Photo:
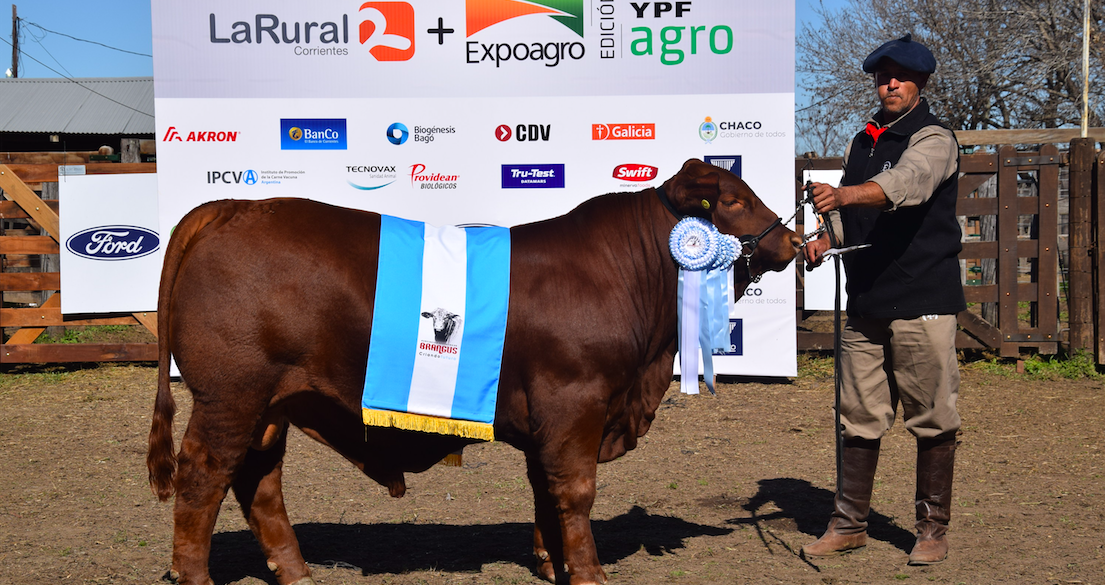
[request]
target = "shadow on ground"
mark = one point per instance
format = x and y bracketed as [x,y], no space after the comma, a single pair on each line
[397,548]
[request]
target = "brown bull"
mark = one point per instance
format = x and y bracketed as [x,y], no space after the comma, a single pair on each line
[267,307]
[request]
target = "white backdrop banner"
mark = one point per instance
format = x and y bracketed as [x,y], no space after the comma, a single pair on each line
[111,247]
[480,112]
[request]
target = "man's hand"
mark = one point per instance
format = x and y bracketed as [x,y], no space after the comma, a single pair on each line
[815,250]
[827,198]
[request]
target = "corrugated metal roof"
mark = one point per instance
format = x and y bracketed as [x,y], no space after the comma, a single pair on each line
[103,105]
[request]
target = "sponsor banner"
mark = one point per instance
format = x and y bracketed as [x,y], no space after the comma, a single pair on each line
[491,112]
[111,246]
[821,282]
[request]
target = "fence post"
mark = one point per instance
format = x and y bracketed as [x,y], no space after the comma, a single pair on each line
[1080,296]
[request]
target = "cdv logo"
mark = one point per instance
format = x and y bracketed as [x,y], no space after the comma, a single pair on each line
[388,30]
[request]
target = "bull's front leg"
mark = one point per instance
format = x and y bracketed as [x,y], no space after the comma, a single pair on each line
[547,544]
[569,469]
[258,489]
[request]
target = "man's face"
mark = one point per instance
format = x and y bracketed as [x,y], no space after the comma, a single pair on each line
[899,88]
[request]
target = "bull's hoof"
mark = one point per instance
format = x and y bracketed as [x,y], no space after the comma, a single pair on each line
[304,581]
[545,569]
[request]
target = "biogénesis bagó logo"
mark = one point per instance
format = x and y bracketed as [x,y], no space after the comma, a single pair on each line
[113,242]
[482,14]
[398,133]
[312,134]
[385,29]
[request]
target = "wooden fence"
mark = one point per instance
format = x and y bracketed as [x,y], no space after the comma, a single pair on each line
[29,228]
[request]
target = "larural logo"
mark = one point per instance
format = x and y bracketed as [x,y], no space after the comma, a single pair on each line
[312,134]
[174,135]
[623,131]
[539,176]
[113,242]
[481,14]
[635,172]
[387,31]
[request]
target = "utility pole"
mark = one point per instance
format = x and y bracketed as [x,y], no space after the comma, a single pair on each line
[15,43]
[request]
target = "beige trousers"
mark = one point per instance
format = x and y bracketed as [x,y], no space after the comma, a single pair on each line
[911,361]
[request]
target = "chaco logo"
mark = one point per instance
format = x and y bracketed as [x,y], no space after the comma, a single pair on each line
[174,135]
[113,242]
[635,172]
[623,131]
[386,30]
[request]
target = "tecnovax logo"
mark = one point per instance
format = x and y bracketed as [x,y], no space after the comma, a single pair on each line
[379,176]
[113,242]
[174,135]
[312,134]
[386,30]
[481,14]
[623,131]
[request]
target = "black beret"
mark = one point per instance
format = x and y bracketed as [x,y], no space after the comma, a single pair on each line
[905,52]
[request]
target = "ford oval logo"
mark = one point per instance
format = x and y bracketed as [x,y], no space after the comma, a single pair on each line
[113,242]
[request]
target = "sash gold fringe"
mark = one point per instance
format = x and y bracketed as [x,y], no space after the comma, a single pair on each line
[428,424]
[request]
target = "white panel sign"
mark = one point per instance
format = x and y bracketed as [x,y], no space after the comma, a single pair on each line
[110,249]
[820,282]
[478,111]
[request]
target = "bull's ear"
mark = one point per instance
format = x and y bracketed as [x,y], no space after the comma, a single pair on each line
[427,314]
[695,189]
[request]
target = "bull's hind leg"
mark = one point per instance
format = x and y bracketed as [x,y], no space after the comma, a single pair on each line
[547,544]
[213,448]
[258,489]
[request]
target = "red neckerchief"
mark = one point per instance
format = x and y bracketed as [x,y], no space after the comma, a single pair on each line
[874,132]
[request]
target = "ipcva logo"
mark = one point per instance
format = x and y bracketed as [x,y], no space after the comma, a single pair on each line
[113,242]
[480,14]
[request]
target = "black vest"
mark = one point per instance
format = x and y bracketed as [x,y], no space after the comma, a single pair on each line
[912,266]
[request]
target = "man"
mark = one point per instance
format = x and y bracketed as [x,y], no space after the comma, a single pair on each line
[898,345]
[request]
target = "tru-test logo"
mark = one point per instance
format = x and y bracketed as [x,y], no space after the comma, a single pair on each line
[484,14]
[385,29]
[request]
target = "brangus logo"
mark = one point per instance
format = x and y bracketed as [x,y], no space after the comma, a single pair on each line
[113,242]
[174,135]
[623,131]
[388,30]
[635,172]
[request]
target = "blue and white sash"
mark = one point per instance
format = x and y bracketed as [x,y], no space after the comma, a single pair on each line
[438,325]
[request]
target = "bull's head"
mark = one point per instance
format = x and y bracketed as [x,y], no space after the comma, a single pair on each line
[710,192]
[445,323]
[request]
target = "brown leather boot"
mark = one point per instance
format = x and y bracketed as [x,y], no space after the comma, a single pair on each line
[847,529]
[935,466]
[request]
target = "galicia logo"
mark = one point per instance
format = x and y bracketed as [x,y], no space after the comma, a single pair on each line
[635,172]
[524,132]
[113,242]
[312,134]
[540,176]
[174,135]
[481,14]
[731,163]
[232,177]
[388,30]
[397,134]
[623,131]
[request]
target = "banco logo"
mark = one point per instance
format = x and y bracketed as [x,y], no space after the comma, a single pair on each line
[388,30]
[312,134]
[248,177]
[524,132]
[623,131]
[397,133]
[481,14]
[174,135]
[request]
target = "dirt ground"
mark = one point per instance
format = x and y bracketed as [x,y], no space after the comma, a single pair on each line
[723,489]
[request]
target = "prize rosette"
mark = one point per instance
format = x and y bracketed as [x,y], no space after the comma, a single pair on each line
[696,244]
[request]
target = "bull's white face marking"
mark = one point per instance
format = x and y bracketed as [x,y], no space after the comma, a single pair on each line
[445,324]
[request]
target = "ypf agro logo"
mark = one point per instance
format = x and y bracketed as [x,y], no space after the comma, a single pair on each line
[113,242]
[483,14]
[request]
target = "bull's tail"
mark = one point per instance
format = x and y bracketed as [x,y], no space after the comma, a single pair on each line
[161,458]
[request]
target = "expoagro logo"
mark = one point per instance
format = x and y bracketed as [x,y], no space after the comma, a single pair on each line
[386,30]
[482,14]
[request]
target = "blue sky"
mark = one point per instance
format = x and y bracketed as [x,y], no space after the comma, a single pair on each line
[123,24]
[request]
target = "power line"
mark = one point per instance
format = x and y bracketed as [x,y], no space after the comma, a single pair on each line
[85,40]
[70,79]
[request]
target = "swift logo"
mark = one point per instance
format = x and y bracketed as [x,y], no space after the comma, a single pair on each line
[623,131]
[481,14]
[388,30]
[635,172]
[173,135]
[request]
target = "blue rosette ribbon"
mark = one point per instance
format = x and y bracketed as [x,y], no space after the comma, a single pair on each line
[704,256]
